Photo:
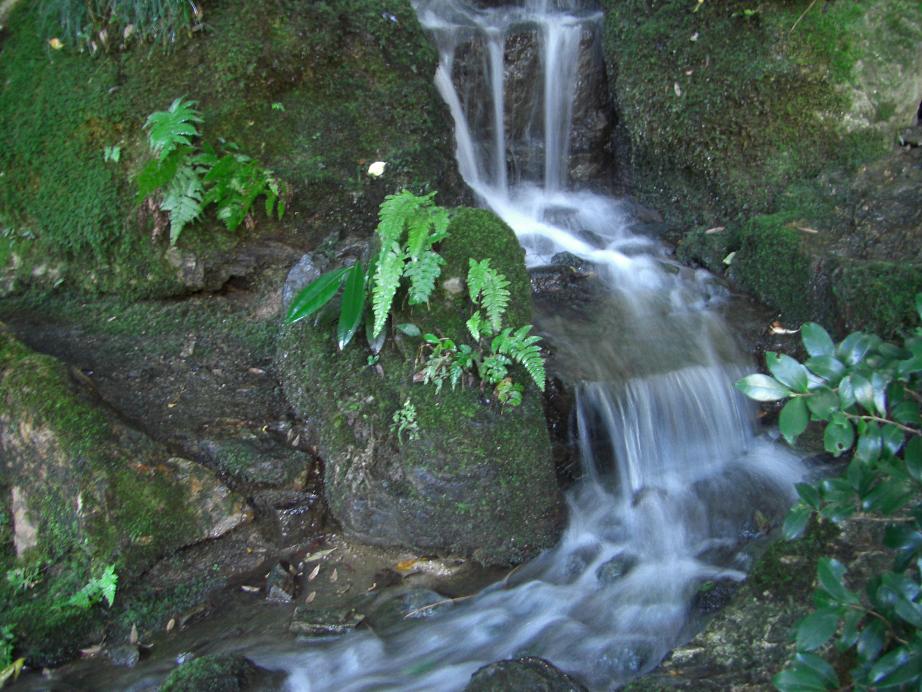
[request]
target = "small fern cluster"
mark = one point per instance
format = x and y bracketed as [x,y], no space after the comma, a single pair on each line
[488,290]
[191,178]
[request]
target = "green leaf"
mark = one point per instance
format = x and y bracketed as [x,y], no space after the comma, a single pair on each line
[889,496]
[871,640]
[913,458]
[816,340]
[386,282]
[474,325]
[762,388]
[870,443]
[890,665]
[409,329]
[796,521]
[839,435]
[892,438]
[829,368]
[809,494]
[422,273]
[352,305]
[863,391]
[906,541]
[315,295]
[793,419]
[855,347]
[807,673]
[829,574]
[490,289]
[901,593]
[173,127]
[823,403]
[787,371]
[907,412]
[817,628]
[851,619]
[919,305]
[846,393]
[860,476]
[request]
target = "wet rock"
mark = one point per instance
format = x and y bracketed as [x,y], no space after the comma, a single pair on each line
[221,673]
[289,517]
[126,656]
[321,622]
[259,460]
[476,482]
[712,596]
[280,584]
[529,673]
[611,571]
[300,275]
[396,610]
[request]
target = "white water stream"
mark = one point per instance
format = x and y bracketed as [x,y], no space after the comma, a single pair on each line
[672,471]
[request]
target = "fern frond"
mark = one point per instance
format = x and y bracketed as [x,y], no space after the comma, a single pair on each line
[475,324]
[494,368]
[438,220]
[173,127]
[523,349]
[393,215]
[183,199]
[422,274]
[490,288]
[387,279]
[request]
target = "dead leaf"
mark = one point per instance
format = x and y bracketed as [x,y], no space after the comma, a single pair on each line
[716,229]
[310,597]
[91,651]
[133,637]
[335,576]
[406,565]
[677,88]
[171,624]
[728,260]
[777,328]
[314,573]
[312,557]
[249,589]
[806,229]
[55,43]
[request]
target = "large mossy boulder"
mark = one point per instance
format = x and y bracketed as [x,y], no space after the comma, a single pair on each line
[80,491]
[478,481]
[314,91]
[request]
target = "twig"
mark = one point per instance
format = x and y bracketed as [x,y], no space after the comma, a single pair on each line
[804,14]
[436,605]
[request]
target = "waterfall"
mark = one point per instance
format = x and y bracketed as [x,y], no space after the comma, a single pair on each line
[672,470]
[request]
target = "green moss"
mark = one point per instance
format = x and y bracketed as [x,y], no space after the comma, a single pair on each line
[215,673]
[877,296]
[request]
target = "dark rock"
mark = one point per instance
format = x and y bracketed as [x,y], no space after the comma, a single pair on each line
[289,517]
[321,622]
[222,673]
[299,276]
[258,460]
[612,570]
[529,673]
[396,610]
[280,584]
[712,596]
[126,656]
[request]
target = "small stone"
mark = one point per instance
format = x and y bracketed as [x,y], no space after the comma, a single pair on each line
[319,622]
[280,585]
[126,656]
[614,569]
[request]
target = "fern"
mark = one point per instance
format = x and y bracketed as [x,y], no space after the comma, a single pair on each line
[494,368]
[489,288]
[422,274]
[387,280]
[393,215]
[183,199]
[524,350]
[173,128]
[475,325]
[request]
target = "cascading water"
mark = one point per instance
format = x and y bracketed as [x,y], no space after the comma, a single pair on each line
[672,472]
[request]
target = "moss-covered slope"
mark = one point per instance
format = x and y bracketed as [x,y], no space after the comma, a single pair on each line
[315,91]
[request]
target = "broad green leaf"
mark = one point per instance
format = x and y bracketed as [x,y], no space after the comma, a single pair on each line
[799,679]
[879,383]
[762,388]
[409,329]
[817,628]
[855,347]
[830,574]
[809,494]
[851,619]
[315,295]
[793,419]
[906,541]
[796,521]
[839,435]
[901,593]
[787,371]
[817,340]
[829,368]
[846,393]
[870,443]
[889,496]
[901,659]
[871,640]
[892,438]
[860,476]
[907,412]
[863,391]
[823,403]
[817,665]
[352,306]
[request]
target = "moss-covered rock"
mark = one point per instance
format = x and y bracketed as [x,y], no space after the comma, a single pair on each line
[86,491]
[314,91]
[477,481]
[221,673]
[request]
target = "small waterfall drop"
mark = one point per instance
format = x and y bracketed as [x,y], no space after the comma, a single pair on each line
[672,470]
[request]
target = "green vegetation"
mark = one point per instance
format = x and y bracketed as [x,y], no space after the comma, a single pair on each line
[191,178]
[409,228]
[404,421]
[868,395]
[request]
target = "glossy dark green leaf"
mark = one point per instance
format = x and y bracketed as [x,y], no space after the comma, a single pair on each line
[863,391]
[830,574]
[907,412]
[818,666]
[796,521]
[375,343]
[889,496]
[879,383]
[352,306]
[839,435]
[799,679]
[315,295]
[901,593]
[809,494]
[846,393]
[870,443]
[855,347]
[908,675]
[892,438]
[793,419]
[829,368]
[851,620]
[787,371]
[817,628]
[887,668]
[912,455]
[817,340]
[409,329]
[823,403]
[906,541]
[860,477]
[871,640]
[762,388]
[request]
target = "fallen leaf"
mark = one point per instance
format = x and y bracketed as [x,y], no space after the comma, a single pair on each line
[777,328]
[716,229]
[406,565]
[91,651]
[335,576]
[677,88]
[728,260]
[310,597]
[133,637]
[55,43]
[171,624]
[312,557]
[807,229]
[314,573]
[694,37]
[249,589]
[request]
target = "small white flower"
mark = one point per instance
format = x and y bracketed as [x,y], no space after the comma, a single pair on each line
[376,170]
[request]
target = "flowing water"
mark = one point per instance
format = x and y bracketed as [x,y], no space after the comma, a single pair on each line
[673,473]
